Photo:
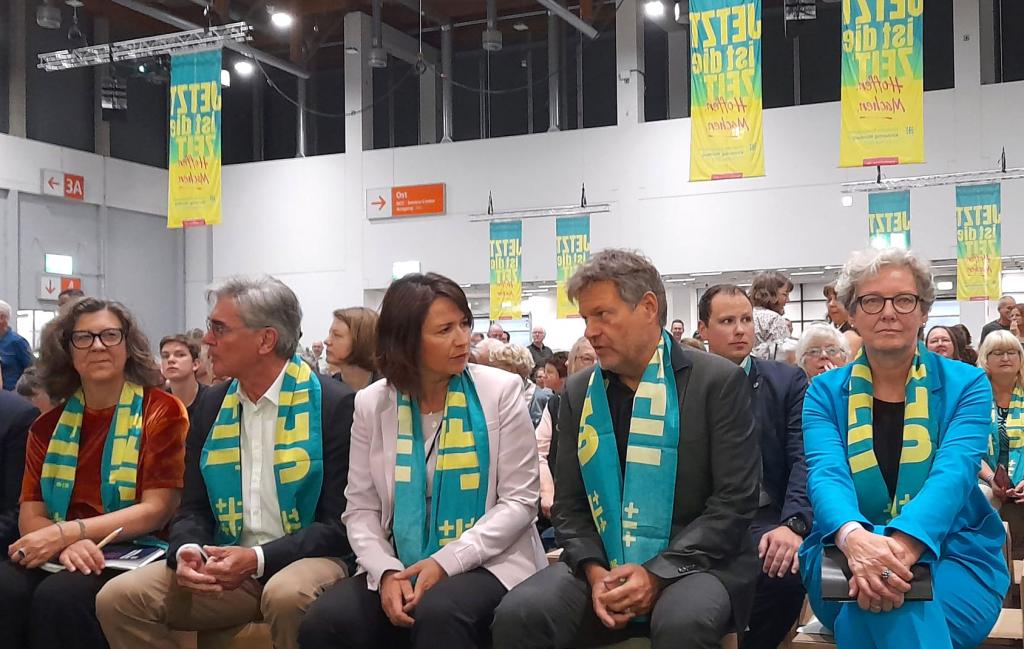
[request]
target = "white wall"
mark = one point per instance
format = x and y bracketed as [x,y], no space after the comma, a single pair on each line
[117,236]
[293,218]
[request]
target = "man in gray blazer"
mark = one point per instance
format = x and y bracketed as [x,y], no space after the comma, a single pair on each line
[699,585]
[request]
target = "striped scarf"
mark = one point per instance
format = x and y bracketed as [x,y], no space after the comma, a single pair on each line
[119,473]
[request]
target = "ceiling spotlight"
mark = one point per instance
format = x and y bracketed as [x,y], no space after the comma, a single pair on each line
[225,78]
[349,49]
[682,12]
[244,68]
[847,200]
[281,19]
[142,68]
[48,16]
[654,8]
[520,26]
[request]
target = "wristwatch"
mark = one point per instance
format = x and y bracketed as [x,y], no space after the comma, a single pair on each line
[797,525]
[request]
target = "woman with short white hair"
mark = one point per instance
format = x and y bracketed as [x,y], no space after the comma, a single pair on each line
[518,360]
[822,347]
[893,442]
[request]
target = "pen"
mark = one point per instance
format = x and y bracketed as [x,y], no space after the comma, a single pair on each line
[109,537]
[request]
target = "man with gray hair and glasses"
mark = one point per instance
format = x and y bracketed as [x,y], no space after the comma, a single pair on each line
[259,534]
[653,510]
[15,352]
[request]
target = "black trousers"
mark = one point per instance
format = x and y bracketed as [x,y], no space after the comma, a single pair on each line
[778,600]
[454,614]
[553,610]
[50,611]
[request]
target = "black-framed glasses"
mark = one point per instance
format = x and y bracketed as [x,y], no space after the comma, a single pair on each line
[82,339]
[1003,353]
[903,303]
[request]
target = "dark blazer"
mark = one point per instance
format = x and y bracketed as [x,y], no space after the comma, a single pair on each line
[716,480]
[326,537]
[16,417]
[778,418]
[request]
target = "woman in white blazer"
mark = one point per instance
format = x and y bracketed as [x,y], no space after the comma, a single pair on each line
[442,489]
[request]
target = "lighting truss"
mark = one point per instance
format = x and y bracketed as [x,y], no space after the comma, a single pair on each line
[140,48]
[540,212]
[934,180]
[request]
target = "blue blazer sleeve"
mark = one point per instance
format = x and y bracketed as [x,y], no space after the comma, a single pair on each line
[929,517]
[797,502]
[829,481]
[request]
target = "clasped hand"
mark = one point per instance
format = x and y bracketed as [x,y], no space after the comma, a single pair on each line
[36,548]
[226,569]
[620,594]
[398,595]
[869,555]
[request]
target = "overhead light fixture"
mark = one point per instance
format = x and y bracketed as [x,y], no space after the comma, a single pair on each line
[520,26]
[654,8]
[944,285]
[281,19]
[48,16]
[244,68]
[682,12]
[847,200]
[349,49]
[225,78]
[706,274]
[808,272]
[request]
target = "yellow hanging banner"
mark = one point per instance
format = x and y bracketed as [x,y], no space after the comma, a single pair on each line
[725,89]
[882,83]
[506,270]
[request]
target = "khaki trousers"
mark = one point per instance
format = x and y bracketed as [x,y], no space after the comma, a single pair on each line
[139,608]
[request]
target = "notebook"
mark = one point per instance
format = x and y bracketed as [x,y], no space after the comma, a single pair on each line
[121,556]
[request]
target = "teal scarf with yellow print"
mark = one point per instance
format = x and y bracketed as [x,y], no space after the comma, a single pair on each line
[633,513]
[920,438]
[298,455]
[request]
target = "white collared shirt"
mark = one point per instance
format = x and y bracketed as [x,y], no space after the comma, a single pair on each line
[261,516]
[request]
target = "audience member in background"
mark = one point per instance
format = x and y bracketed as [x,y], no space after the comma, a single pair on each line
[886,508]
[258,543]
[352,346]
[443,488]
[31,387]
[678,330]
[671,540]
[179,362]
[495,331]
[787,353]
[514,358]
[481,352]
[1006,304]
[540,352]
[769,293]
[317,349]
[112,457]
[694,343]
[783,516]
[822,347]
[15,352]
[1000,357]
[506,337]
[476,338]
[539,375]
[943,342]
[67,296]
[1017,321]
[16,415]
[557,370]
[581,356]
[839,317]
[970,355]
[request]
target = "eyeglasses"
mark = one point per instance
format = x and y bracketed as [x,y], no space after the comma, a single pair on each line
[1004,353]
[85,339]
[903,303]
[831,352]
[218,328]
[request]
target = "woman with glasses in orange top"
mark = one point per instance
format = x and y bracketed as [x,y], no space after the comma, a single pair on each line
[110,456]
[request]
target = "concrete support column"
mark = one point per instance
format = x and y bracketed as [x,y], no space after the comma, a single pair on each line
[101,129]
[358,85]
[629,62]
[678,74]
[18,109]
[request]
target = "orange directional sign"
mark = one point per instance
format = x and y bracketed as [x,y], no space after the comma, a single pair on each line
[407,200]
[51,286]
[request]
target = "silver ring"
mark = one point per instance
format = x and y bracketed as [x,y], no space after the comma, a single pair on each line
[886,573]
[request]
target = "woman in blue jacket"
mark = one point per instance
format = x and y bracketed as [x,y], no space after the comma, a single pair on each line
[893,443]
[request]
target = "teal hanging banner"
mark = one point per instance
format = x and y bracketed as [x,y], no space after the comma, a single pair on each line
[979,242]
[889,220]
